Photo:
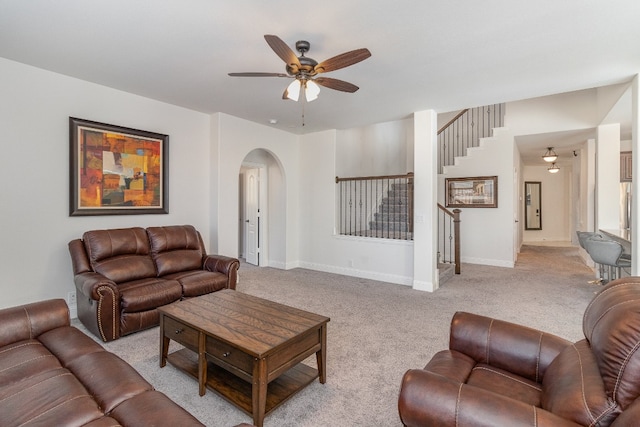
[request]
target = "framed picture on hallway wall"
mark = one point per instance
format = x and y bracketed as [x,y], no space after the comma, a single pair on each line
[116,170]
[473,192]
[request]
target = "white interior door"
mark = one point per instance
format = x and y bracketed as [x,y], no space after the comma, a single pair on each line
[252,216]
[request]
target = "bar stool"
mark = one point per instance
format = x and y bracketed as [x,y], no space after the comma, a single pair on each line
[607,253]
[584,235]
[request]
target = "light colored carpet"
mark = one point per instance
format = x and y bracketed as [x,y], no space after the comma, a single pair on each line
[379,330]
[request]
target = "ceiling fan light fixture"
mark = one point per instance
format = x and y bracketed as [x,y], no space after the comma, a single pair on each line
[550,155]
[293,90]
[311,90]
[553,168]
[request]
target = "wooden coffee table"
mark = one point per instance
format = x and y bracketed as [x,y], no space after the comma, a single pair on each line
[245,348]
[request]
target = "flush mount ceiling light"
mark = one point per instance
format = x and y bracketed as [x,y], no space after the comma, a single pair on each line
[550,156]
[553,168]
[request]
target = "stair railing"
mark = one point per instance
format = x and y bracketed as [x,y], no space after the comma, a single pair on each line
[376,206]
[449,237]
[465,130]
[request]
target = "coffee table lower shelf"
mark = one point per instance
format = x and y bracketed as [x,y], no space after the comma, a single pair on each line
[238,391]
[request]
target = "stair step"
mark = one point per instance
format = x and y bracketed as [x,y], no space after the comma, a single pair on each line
[395,201]
[386,225]
[445,272]
[393,208]
[391,216]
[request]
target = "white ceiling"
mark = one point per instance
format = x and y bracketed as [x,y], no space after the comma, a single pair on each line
[426,54]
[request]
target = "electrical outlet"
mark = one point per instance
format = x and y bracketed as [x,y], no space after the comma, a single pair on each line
[71,298]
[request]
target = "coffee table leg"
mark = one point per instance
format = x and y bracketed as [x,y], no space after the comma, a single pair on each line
[259,391]
[164,344]
[202,364]
[321,356]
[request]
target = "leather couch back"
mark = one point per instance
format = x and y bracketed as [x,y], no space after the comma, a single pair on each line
[176,248]
[120,254]
[611,324]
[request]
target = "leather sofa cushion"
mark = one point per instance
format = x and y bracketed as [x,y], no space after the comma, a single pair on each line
[151,409]
[110,385]
[573,388]
[175,248]
[461,368]
[505,383]
[120,254]
[147,294]
[36,387]
[199,282]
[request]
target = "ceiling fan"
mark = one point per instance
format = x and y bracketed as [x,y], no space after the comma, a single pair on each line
[305,70]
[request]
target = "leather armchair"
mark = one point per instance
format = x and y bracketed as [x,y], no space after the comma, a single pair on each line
[497,373]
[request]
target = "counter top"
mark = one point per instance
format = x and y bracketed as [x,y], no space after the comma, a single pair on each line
[618,234]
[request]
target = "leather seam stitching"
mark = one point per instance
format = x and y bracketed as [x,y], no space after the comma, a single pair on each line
[488,341]
[502,374]
[35,385]
[458,403]
[19,346]
[538,357]
[25,362]
[55,407]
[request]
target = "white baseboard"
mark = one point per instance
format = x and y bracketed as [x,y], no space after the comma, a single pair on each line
[353,272]
[491,262]
[424,286]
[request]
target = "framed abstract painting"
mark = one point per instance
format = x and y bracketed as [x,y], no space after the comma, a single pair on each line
[116,170]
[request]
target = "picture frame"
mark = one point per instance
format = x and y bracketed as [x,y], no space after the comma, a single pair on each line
[472,192]
[116,170]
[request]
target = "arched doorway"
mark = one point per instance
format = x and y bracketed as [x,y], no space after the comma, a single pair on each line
[262,209]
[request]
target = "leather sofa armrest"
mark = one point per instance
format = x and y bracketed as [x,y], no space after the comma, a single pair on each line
[98,305]
[223,264]
[518,349]
[429,399]
[31,320]
[89,285]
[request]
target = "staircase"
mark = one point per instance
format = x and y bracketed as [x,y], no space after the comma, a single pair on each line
[376,206]
[466,130]
[393,217]
[464,133]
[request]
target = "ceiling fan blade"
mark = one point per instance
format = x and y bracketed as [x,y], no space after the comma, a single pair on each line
[282,50]
[252,74]
[343,60]
[336,84]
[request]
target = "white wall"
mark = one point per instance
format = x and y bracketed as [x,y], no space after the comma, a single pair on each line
[556,202]
[35,106]
[555,113]
[488,234]
[608,177]
[237,138]
[320,248]
[379,149]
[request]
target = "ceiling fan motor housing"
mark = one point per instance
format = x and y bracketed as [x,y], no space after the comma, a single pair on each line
[303,46]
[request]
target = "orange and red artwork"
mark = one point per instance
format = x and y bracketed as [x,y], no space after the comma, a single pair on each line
[117,170]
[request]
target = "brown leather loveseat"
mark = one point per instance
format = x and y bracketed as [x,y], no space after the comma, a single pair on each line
[51,374]
[497,373]
[123,275]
